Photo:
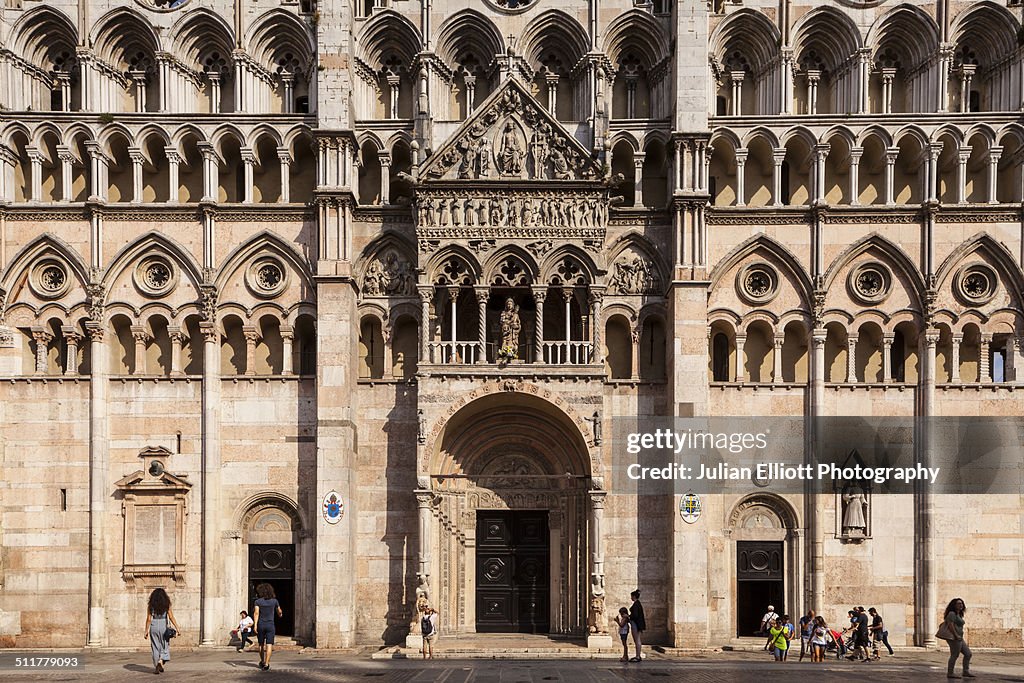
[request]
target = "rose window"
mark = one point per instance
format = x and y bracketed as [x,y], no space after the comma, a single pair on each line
[870,283]
[976,284]
[158,275]
[53,278]
[758,283]
[269,276]
[266,277]
[513,5]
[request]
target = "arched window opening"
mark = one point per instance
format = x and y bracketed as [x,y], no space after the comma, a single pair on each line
[369,174]
[652,350]
[304,346]
[404,350]
[232,349]
[371,349]
[619,356]
[720,351]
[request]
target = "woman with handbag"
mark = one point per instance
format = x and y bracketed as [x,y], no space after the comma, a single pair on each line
[952,631]
[158,632]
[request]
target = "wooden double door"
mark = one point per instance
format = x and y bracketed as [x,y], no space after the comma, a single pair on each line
[512,571]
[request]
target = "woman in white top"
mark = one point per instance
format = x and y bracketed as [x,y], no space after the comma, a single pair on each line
[819,639]
[245,630]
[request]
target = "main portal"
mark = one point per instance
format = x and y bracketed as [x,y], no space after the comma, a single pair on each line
[512,553]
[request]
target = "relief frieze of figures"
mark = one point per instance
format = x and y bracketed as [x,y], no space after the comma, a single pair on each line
[512,210]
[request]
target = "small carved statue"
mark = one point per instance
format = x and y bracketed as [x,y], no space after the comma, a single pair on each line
[855,505]
[485,158]
[559,165]
[598,620]
[510,325]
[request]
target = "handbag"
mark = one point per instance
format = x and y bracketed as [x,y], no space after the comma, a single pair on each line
[169,633]
[945,632]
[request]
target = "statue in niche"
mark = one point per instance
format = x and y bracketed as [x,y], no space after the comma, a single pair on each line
[469,161]
[511,151]
[456,212]
[481,211]
[559,165]
[855,506]
[446,213]
[510,325]
[495,212]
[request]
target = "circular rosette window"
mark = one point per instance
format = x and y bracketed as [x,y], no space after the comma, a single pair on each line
[163,5]
[49,278]
[870,283]
[266,277]
[155,276]
[758,283]
[975,284]
[513,6]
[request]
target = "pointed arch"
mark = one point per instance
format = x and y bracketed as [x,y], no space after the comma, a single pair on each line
[878,132]
[146,244]
[549,265]
[995,250]
[911,30]
[263,242]
[388,240]
[640,243]
[492,265]
[841,131]
[386,31]
[763,133]
[435,265]
[553,28]
[766,244]
[891,250]
[636,30]
[829,33]
[749,33]
[199,32]
[276,34]
[798,132]
[42,36]
[468,31]
[46,242]
[122,31]
[988,29]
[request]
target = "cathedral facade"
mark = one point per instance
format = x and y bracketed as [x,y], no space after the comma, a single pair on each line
[347,296]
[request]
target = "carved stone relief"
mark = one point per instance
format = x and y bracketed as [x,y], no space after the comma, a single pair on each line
[389,274]
[634,274]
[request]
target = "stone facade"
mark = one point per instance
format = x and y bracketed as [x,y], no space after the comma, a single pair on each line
[420,255]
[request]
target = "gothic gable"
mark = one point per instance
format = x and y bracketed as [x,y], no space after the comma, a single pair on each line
[511,137]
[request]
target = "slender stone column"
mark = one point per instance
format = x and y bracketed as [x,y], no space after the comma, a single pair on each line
[141,336]
[777,358]
[135,154]
[888,74]
[736,79]
[954,363]
[426,293]
[540,293]
[36,159]
[851,359]
[73,339]
[638,180]
[635,337]
[994,153]
[424,562]
[173,163]
[600,638]
[385,177]
[890,181]
[924,559]
[42,337]
[214,77]
[596,298]
[887,340]
[813,76]
[855,154]
[778,157]
[211,602]
[252,336]
[287,336]
[934,150]
[741,353]
[99,484]
[963,155]
[284,158]
[814,532]
[483,294]
[67,161]
[863,79]
[453,305]
[741,177]
[177,339]
[288,81]
[249,164]
[984,364]
[210,171]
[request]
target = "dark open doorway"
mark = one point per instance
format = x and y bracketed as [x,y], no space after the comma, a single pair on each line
[275,564]
[759,583]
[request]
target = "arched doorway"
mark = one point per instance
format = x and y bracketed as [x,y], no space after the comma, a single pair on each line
[766,560]
[512,519]
[274,549]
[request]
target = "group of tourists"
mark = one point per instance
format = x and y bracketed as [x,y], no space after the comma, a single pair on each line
[860,638]
[161,626]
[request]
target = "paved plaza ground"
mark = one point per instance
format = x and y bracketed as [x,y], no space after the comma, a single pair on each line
[317,665]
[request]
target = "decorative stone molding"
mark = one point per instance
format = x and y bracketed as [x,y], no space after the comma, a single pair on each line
[49,278]
[155,276]
[975,283]
[870,283]
[266,277]
[154,510]
[758,283]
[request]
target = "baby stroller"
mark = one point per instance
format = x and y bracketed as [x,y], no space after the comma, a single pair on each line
[837,645]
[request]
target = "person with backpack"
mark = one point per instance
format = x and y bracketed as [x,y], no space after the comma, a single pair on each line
[428,627]
[778,634]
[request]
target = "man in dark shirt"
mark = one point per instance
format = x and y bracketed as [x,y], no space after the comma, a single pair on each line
[860,638]
[878,632]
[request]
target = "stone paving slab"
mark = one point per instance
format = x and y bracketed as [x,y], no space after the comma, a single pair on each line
[319,665]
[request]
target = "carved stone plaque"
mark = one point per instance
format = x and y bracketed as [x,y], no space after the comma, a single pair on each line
[155,532]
